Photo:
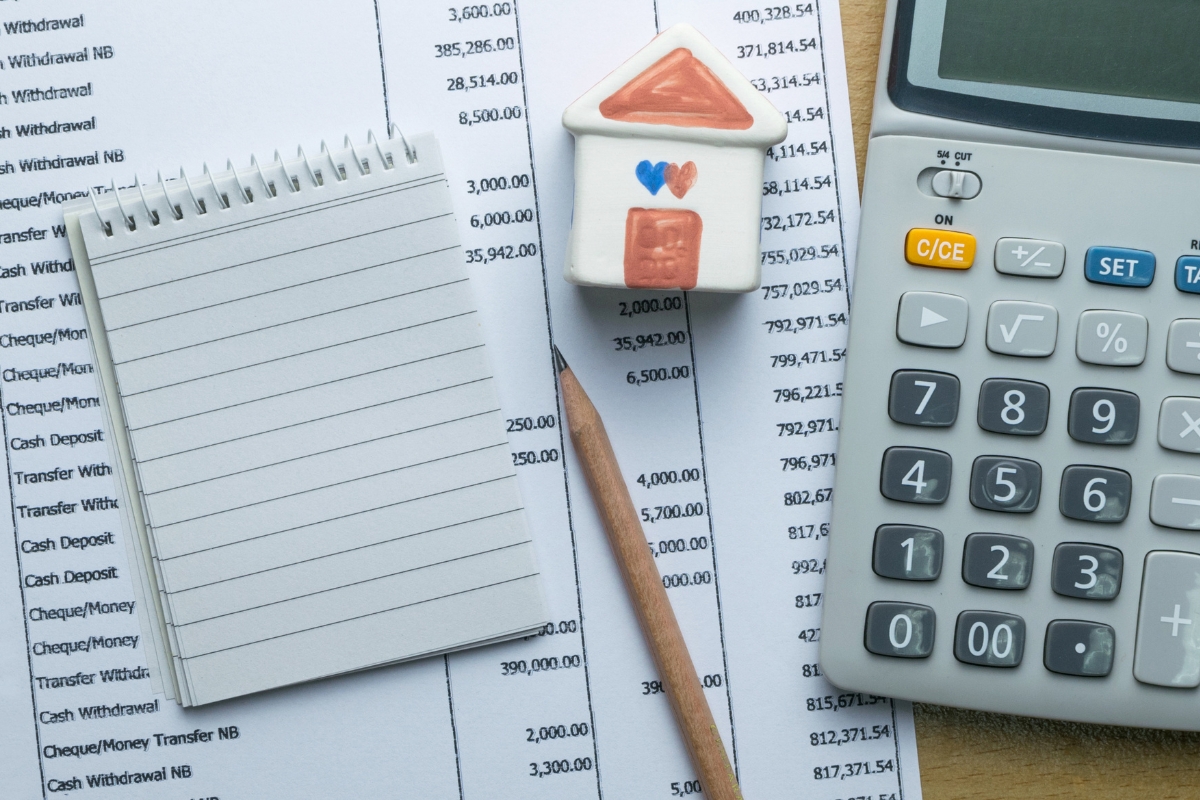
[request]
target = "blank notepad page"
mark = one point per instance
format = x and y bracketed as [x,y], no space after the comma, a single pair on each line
[323,466]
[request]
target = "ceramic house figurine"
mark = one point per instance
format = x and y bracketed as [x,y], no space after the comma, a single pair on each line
[668,171]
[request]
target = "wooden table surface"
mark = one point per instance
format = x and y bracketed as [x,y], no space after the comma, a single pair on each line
[968,755]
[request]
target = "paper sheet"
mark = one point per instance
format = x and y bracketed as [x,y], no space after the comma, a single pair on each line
[722,410]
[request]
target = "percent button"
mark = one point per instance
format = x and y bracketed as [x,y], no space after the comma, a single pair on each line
[1111,338]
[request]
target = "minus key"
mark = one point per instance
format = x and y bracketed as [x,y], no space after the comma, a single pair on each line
[1175,502]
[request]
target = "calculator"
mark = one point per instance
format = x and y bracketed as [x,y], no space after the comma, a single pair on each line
[1016,513]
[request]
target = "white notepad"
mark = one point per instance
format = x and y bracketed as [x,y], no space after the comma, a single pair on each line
[298,385]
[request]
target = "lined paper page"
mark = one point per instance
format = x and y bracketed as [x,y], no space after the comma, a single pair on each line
[318,443]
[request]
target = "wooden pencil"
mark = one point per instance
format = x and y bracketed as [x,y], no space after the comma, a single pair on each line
[645,587]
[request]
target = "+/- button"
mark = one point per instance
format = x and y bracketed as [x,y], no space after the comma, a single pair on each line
[926,247]
[1031,258]
[956,183]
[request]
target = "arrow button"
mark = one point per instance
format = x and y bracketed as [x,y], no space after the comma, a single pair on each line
[932,319]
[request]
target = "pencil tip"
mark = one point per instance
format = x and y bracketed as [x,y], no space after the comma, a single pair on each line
[560,363]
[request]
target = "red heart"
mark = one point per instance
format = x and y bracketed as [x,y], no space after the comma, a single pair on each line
[680,179]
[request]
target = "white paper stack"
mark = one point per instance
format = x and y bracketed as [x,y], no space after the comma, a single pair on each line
[297,381]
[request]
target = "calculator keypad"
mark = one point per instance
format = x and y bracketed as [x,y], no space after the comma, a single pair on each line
[923,398]
[1019,328]
[915,475]
[1018,408]
[989,638]
[1111,338]
[1075,647]
[1001,483]
[997,561]
[1086,571]
[1179,424]
[900,630]
[1103,416]
[908,552]
[1095,494]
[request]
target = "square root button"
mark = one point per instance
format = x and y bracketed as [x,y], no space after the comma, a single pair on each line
[1179,424]
[1020,328]
[1167,651]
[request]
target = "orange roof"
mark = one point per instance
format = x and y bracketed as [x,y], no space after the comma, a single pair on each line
[678,89]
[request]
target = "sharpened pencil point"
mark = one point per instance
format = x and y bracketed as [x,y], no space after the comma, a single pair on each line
[560,363]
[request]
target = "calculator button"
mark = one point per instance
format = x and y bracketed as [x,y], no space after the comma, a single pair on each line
[997,561]
[900,630]
[1183,345]
[989,638]
[1031,258]
[1119,266]
[923,398]
[908,552]
[1187,274]
[1000,483]
[1167,651]
[932,319]
[1087,571]
[915,475]
[1094,494]
[1179,424]
[1015,407]
[956,183]
[1103,416]
[925,247]
[1074,647]
[1175,502]
[1019,328]
[1111,338]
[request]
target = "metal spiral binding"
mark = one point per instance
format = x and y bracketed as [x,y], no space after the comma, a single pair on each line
[315,174]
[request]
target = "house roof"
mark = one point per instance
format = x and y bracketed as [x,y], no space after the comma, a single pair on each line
[679,86]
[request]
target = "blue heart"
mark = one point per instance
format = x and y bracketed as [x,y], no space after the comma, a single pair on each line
[652,176]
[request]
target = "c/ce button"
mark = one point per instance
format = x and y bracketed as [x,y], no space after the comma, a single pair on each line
[930,247]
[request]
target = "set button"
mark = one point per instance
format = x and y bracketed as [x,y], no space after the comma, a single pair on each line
[1119,266]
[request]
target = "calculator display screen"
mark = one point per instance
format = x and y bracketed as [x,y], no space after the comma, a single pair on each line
[1122,70]
[1131,48]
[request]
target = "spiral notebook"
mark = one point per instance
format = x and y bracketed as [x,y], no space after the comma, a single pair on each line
[300,396]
